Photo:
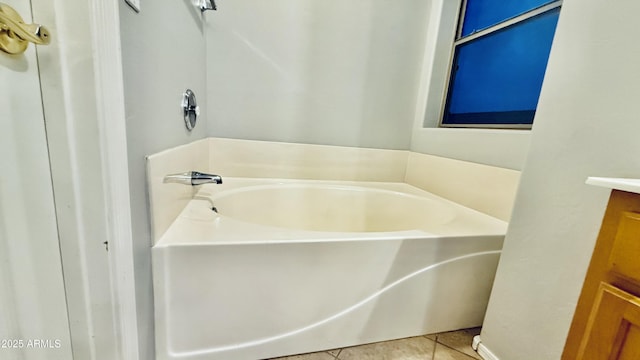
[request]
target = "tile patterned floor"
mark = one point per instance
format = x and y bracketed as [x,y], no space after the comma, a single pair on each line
[454,345]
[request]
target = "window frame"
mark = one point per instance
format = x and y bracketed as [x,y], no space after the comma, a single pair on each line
[459,40]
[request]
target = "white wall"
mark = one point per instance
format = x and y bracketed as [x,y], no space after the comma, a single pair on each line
[587,124]
[163,55]
[322,72]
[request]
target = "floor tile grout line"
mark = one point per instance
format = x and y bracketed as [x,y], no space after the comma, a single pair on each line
[435,345]
[454,349]
[436,341]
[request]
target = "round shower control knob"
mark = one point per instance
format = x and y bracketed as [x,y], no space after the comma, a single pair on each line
[190,109]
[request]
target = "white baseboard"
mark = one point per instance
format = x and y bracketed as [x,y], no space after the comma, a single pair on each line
[482,350]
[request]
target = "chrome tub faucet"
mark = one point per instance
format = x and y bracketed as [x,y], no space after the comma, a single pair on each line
[193,178]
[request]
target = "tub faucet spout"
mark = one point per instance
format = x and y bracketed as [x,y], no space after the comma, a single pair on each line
[193,178]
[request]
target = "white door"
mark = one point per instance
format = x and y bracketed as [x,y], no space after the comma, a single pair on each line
[33,313]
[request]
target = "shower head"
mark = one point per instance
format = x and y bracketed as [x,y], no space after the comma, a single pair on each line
[205,5]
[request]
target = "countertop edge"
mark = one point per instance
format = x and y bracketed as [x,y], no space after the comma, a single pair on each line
[624,184]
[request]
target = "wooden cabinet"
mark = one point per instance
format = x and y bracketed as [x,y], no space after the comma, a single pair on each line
[606,324]
[613,329]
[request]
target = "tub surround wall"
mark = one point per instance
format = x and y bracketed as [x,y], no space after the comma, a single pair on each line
[167,200]
[319,72]
[488,189]
[500,148]
[266,159]
[484,188]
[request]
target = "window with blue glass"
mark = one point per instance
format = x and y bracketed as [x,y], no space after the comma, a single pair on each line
[499,60]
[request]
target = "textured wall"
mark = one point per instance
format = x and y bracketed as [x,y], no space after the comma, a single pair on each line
[586,126]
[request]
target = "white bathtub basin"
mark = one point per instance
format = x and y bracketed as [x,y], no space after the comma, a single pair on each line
[294,266]
[331,207]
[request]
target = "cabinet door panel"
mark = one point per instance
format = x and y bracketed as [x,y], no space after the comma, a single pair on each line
[613,330]
[627,350]
[624,256]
